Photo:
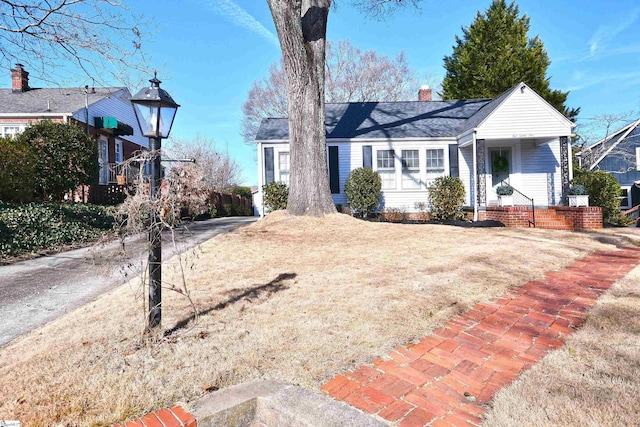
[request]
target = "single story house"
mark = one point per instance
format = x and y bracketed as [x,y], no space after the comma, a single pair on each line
[106,113]
[517,138]
[618,154]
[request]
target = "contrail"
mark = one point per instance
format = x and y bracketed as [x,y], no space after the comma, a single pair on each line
[241,18]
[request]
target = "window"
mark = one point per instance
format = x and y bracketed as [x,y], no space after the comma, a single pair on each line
[283,165]
[625,199]
[638,158]
[386,168]
[11,131]
[410,170]
[118,158]
[435,163]
[103,160]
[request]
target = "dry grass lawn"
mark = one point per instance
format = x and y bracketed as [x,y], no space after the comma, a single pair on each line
[292,299]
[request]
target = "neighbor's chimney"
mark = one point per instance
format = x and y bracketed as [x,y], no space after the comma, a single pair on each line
[19,79]
[424,94]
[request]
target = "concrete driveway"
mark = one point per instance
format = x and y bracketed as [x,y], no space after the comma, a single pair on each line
[37,291]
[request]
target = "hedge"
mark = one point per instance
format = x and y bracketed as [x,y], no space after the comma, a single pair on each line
[36,227]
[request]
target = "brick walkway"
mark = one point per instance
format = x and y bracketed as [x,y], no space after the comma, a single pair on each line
[446,378]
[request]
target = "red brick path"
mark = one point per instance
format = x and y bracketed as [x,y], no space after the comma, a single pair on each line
[446,378]
[168,417]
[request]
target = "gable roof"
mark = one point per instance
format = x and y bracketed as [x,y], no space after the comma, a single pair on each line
[411,119]
[408,119]
[51,100]
[630,132]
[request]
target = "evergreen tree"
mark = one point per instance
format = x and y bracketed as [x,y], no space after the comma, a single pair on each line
[495,54]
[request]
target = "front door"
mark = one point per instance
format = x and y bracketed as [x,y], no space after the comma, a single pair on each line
[500,167]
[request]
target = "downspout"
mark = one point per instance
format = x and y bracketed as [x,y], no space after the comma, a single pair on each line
[475,178]
[260,180]
[86,108]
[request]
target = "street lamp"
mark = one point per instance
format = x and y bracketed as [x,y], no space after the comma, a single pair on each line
[155,111]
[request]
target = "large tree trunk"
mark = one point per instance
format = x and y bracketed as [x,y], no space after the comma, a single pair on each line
[302,29]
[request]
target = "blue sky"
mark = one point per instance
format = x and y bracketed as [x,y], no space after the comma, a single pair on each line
[208,53]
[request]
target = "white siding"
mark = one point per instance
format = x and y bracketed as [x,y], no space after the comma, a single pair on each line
[524,115]
[465,162]
[118,106]
[541,172]
[350,158]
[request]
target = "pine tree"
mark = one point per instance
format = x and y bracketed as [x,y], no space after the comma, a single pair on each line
[494,54]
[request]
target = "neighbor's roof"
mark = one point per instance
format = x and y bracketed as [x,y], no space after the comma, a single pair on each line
[50,100]
[630,132]
[407,119]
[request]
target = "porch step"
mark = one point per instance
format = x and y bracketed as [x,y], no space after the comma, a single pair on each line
[548,219]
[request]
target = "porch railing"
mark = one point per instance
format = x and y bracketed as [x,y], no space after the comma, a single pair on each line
[520,199]
[110,172]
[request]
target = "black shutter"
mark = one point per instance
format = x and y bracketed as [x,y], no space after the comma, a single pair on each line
[367,157]
[334,170]
[454,170]
[268,165]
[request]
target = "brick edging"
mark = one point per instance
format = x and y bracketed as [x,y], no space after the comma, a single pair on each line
[175,416]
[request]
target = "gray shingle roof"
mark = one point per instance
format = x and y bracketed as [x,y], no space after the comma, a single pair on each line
[49,100]
[411,119]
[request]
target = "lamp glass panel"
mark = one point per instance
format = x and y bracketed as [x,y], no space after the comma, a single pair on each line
[167,114]
[148,119]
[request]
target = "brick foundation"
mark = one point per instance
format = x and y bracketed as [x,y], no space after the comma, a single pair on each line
[555,217]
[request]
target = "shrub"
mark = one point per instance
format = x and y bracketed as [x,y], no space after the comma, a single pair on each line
[363,188]
[275,195]
[604,191]
[622,220]
[578,190]
[35,226]
[17,173]
[393,214]
[423,210]
[241,191]
[244,211]
[228,209]
[446,198]
[66,157]
[504,190]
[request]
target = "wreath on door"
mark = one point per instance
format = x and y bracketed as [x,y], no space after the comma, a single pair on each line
[500,164]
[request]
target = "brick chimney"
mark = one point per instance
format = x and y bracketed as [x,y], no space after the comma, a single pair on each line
[424,94]
[19,79]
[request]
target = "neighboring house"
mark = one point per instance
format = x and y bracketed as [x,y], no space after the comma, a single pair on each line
[517,138]
[618,154]
[106,113]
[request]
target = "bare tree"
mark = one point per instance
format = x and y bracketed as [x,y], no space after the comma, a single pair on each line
[302,31]
[593,140]
[351,75]
[96,36]
[218,170]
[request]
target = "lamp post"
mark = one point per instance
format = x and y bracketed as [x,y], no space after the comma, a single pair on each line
[155,111]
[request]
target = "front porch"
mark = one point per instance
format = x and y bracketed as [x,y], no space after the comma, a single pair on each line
[539,169]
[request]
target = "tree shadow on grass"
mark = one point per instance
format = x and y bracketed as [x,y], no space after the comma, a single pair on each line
[250,294]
